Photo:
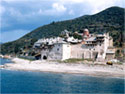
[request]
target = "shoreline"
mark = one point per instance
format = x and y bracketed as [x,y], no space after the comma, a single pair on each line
[72,68]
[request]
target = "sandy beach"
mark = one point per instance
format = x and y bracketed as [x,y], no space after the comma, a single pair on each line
[95,69]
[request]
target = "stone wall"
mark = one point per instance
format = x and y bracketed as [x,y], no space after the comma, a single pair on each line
[83,53]
[110,56]
[77,51]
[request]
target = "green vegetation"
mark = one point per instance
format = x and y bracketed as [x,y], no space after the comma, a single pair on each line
[74,60]
[27,58]
[120,54]
[117,53]
[111,20]
[76,36]
[120,63]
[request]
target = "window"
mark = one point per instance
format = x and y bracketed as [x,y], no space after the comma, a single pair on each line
[57,49]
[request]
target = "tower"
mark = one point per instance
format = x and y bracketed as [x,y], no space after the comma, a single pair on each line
[85,34]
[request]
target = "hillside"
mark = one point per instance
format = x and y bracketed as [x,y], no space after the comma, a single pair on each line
[111,20]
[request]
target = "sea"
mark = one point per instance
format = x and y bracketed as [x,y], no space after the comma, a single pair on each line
[28,82]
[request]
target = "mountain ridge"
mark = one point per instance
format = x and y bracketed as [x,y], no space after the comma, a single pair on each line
[110,19]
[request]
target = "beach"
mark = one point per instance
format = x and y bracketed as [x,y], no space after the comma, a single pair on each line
[95,69]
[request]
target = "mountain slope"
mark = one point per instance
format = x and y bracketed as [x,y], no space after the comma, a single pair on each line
[111,20]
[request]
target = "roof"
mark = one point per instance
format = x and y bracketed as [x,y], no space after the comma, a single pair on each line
[91,39]
[37,54]
[86,30]
[37,44]
[110,52]
[61,42]
[111,47]
[100,35]
[80,34]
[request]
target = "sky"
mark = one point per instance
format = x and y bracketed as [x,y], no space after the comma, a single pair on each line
[19,17]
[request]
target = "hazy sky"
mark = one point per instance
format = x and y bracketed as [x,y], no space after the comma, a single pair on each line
[19,17]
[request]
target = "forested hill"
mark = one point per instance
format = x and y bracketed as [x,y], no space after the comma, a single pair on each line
[111,20]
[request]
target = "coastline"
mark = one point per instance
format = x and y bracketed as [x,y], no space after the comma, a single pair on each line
[72,68]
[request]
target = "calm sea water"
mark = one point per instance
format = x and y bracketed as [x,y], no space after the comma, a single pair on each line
[41,82]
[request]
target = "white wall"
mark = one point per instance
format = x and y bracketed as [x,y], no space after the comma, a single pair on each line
[66,51]
[56,52]
[111,42]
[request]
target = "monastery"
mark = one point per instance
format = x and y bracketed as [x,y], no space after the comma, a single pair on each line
[97,47]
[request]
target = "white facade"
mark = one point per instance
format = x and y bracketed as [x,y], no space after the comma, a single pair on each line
[66,51]
[60,51]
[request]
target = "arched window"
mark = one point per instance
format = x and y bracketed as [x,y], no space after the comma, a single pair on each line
[44,57]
